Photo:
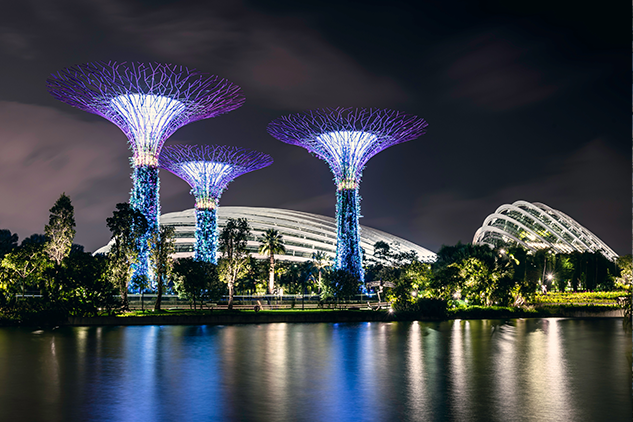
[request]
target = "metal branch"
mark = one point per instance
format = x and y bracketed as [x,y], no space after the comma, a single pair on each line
[147,101]
[208,169]
[346,138]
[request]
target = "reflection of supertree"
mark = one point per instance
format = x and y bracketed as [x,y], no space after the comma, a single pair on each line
[148,102]
[346,138]
[208,169]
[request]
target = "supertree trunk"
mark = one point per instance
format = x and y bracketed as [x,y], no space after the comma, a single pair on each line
[348,253]
[206,235]
[144,197]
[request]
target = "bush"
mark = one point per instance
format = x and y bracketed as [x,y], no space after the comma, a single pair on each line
[424,307]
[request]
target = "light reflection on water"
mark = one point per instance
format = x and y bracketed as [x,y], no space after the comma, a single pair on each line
[482,370]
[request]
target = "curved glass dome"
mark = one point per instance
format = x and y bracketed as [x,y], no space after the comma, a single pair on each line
[303,233]
[537,226]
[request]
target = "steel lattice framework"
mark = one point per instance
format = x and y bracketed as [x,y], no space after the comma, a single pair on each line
[148,102]
[346,138]
[208,169]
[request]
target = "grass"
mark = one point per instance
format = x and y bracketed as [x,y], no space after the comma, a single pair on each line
[580,298]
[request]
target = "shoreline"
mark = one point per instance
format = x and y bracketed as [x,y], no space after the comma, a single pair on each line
[342,316]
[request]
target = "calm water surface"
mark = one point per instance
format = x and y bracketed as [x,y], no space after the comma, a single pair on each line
[490,370]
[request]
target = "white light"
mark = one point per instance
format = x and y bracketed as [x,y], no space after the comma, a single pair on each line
[350,150]
[207,178]
[147,117]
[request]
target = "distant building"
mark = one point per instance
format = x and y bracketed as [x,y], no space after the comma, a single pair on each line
[303,233]
[537,226]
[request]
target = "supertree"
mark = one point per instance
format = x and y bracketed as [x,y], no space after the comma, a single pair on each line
[148,102]
[346,138]
[208,169]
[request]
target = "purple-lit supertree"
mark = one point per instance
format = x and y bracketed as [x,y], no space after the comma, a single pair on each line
[346,138]
[208,169]
[148,102]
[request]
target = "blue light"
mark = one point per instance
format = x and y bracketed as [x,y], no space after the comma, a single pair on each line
[206,235]
[348,251]
[144,197]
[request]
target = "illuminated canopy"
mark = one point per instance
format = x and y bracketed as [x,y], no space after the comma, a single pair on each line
[346,138]
[208,169]
[147,101]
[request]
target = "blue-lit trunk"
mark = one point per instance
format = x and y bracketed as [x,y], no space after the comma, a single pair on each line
[144,197]
[348,252]
[206,235]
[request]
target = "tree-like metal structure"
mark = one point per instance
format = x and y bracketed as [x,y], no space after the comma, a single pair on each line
[148,102]
[208,169]
[346,138]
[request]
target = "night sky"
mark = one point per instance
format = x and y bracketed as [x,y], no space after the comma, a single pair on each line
[524,100]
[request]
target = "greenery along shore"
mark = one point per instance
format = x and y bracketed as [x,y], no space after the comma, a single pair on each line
[46,276]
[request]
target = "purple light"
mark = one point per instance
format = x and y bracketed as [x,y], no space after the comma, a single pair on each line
[346,138]
[208,169]
[148,102]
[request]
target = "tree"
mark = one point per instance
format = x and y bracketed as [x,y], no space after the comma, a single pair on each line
[197,280]
[382,251]
[162,249]
[271,243]
[127,225]
[625,265]
[60,229]
[8,242]
[232,242]
[320,261]
[82,286]
[25,265]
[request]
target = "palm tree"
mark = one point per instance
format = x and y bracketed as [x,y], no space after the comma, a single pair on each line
[271,243]
[320,260]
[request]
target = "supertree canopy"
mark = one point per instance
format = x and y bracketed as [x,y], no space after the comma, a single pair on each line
[208,169]
[148,102]
[346,138]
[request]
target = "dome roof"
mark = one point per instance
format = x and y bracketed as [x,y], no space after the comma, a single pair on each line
[303,233]
[537,226]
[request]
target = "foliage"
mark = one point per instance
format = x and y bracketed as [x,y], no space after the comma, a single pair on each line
[255,273]
[625,265]
[8,242]
[296,278]
[60,229]
[580,297]
[82,287]
[271,243]
[197,281]
[233,240]
[162,248]
[24,268]
[344,284]
[128,226]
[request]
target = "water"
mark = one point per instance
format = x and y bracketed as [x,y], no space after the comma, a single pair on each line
[490,370]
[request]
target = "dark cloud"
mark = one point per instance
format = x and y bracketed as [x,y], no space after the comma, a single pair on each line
[16,44]
[46,152]
[279,61]
[587,186]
